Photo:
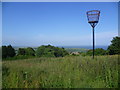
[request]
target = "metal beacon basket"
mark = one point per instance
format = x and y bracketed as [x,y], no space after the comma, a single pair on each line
[93,17]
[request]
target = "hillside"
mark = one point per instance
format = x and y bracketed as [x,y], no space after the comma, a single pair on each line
[76,49]
[65,72]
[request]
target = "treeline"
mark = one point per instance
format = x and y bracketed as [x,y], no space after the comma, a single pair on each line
[51,51]
[42,51]
[8,51]
[98,52]
[113,48]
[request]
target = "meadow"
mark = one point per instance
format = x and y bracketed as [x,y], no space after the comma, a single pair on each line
[61,72]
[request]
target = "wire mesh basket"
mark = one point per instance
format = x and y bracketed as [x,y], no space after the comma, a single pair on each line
[93,16]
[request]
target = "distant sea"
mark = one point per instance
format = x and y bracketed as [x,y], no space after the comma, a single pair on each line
[86,47]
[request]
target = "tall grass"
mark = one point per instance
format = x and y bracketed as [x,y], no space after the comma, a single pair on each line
[62,72]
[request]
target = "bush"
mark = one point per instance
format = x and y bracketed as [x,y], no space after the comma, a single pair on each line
[4,52]
[21,51]
[50,51]
[98,51]
[30,51]
[26,51]
[114,48]
[8,51]
[83,54]
[18,57]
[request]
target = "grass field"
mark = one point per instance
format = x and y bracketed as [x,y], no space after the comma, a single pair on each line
[65,72]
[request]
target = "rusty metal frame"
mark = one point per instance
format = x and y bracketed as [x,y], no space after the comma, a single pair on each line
[93,23]
[89,13]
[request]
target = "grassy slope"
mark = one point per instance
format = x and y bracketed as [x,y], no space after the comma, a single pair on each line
[67,72]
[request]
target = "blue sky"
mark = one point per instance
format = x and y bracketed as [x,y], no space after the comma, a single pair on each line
[57,23]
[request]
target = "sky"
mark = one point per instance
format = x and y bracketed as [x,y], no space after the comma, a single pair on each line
[57,23]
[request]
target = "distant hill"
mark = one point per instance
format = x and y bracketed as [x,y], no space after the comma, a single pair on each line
[68,48]
[76,49]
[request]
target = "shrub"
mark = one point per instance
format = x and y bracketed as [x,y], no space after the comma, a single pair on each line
[114,48]
[50,51]
[98,51]
[4,52]
[30,51]
[26,51]
[21,51]
[8,51]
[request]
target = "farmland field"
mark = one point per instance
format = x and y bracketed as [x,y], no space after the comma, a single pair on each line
[76,49]
[62,72]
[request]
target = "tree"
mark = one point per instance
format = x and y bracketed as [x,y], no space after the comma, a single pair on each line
[50,51]
[98,51]
[4,52]
[21,51]
[58,52]
[114,48]
[40,51]
[8,51]
[29,51]
[89,52]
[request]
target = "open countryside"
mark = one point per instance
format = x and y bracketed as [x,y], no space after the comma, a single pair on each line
[51,45]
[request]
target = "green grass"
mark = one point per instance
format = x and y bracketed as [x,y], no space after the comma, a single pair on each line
[62,72]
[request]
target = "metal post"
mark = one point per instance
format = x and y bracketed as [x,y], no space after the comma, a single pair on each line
[93,18]
[93,43]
